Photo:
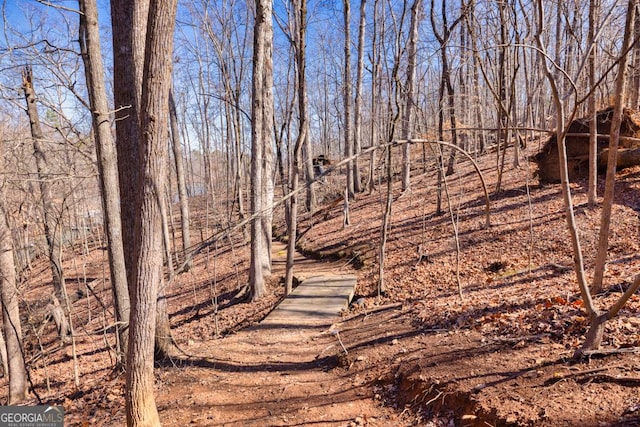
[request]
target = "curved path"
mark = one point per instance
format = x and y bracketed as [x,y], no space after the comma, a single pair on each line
[273,375]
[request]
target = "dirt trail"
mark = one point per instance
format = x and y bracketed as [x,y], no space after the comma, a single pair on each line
[265,376]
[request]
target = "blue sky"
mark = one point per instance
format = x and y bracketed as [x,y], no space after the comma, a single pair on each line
[17,11]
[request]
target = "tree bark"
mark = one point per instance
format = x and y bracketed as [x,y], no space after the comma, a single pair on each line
[107,165]
[141,408]
[3,354]
[129,27]
[386,216]
[261,120]
[634,90]
[11,315]
[307,164]
[165,346]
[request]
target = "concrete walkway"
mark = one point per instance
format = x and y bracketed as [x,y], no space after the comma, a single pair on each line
[326,289]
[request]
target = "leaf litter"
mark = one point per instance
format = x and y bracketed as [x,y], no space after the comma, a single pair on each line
[416,355]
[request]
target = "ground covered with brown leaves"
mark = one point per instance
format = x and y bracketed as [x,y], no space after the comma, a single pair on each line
[480,336]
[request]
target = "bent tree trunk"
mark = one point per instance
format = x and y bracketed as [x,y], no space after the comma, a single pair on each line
[597,317]
[51,218]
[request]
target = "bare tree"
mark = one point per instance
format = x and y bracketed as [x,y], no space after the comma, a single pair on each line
[141,409]
[443,35]
[592,192]
[394,108]
[597,317]
[261,135]
[634,76]
[376,94]
[223,26]
[299,36]
[107,164]
[180,177]
[357,104]
[501,98]
[51,215]
[612,154]
[408,119]
[10,299]
[128,21]
[346,87]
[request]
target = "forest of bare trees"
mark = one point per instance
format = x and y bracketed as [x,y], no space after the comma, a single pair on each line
[114,124]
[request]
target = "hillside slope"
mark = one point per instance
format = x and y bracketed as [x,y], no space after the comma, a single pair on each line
[416,355]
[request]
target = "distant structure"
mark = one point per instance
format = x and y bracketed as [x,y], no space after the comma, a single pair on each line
[319,164]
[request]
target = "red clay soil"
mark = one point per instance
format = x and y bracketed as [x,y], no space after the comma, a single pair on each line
[417,355]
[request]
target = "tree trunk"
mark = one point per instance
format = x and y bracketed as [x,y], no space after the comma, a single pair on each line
[408,119]
[180,178]
[3,355]
[477,105]
[610,181]
[51,217]
[592,191]
[292,224]
[141,408]
[357,106]
[165,346]
[299,45]
[129,27]
[307,164]
[166,234]
[585,293]
[502,113]
[107,165]
[445,83]
[261,120]
[384,228]
[386,216]
[268,170]
[346,95]
[376,91]
[12,328]
[634,90]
